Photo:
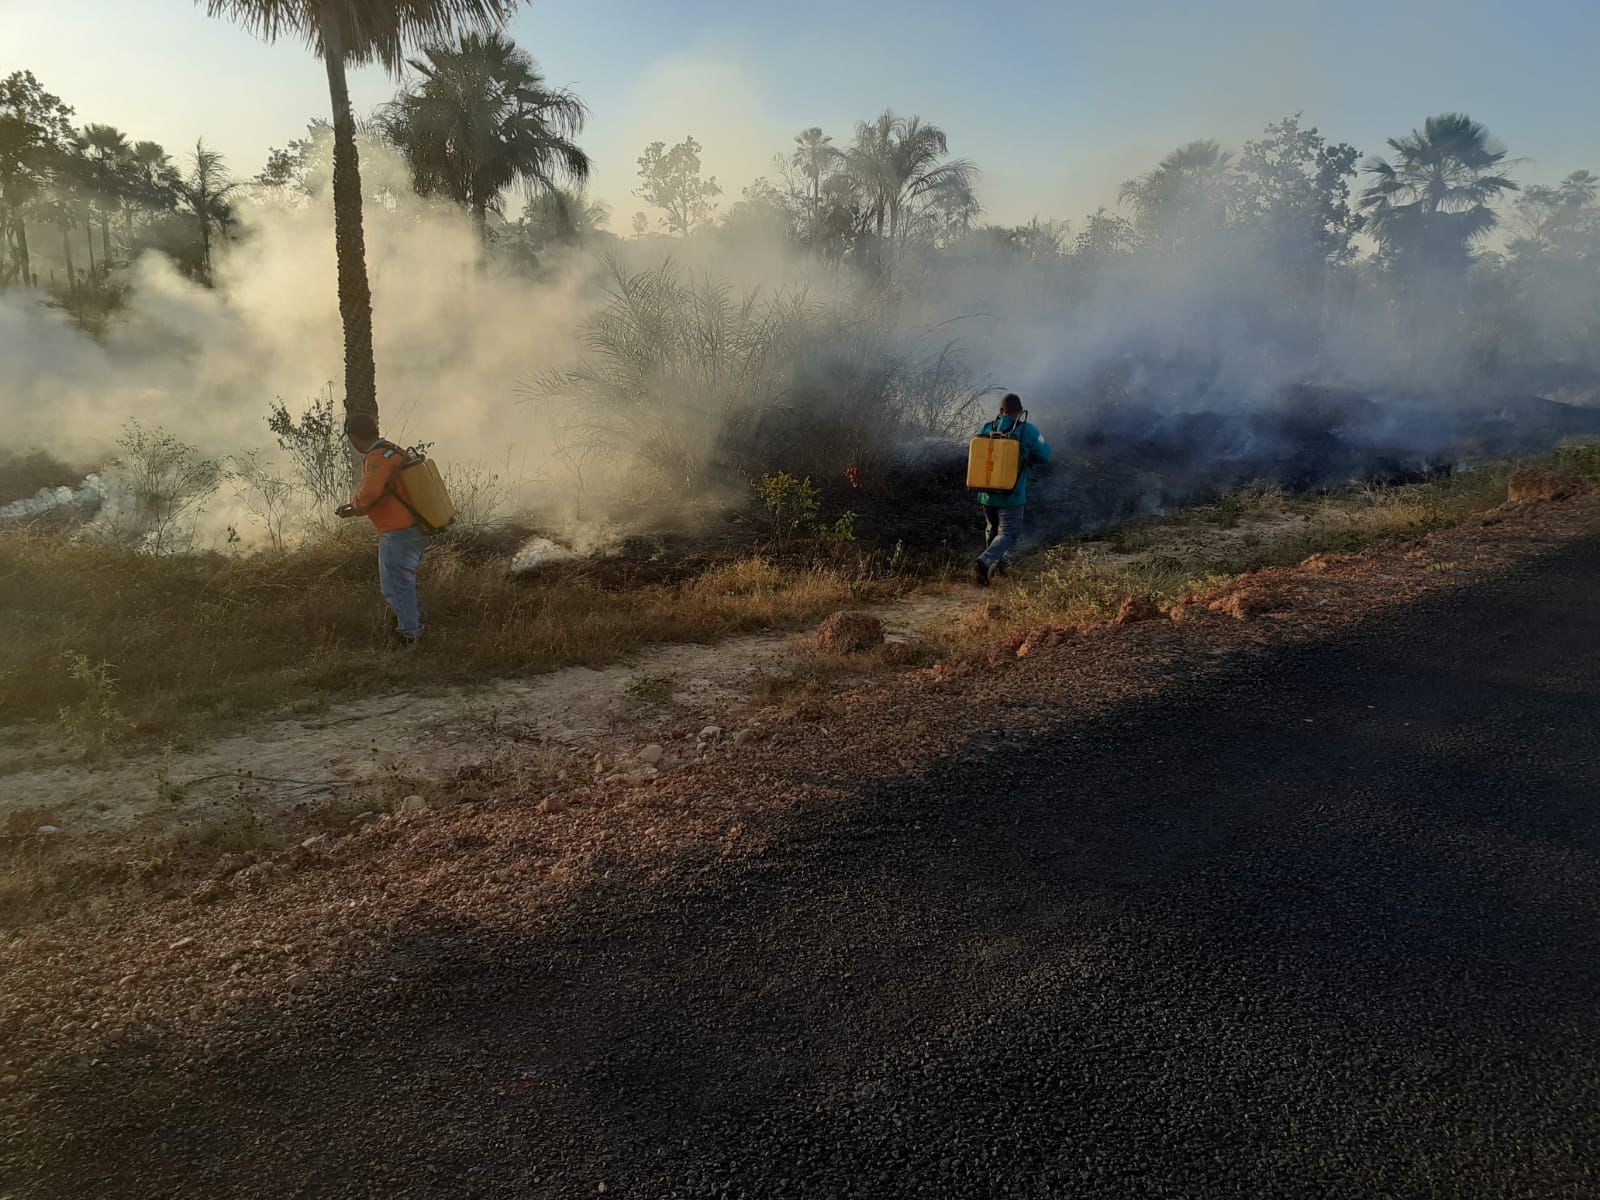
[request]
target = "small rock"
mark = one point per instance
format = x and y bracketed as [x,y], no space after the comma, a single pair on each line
[47,830]
[711,733]
[252,874]
[230,864]
[743,736]
[599,765]
[412,804]
[129,979]
[314,840]
[360,819]
[652,753]
[207,893]
[181,943]
[552,804]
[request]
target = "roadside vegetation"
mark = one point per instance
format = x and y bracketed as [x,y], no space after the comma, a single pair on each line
[113,643]
[104,636]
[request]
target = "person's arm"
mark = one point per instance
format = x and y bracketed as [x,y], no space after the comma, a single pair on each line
[1038,449]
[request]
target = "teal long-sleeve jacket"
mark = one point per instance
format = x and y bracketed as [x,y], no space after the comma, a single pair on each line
[1034,450]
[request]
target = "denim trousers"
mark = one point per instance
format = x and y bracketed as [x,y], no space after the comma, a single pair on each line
[399,552]
[1001,529]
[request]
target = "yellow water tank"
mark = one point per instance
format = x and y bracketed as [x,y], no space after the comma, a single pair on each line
[423,491]
[994,463]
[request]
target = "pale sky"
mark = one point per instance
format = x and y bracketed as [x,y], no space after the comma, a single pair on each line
[1058,103]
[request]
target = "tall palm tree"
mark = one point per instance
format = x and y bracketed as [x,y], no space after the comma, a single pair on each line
[154,183]
[74,185]
[206,191]
[107,149]
[341,32]
[815,157]
[1191,188]
[481,119]
[900,160]
[1430,204]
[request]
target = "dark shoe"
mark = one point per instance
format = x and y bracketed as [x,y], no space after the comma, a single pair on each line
[999,570]
[980,573]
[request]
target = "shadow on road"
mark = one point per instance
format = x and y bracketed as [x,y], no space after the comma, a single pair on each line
[1329,926]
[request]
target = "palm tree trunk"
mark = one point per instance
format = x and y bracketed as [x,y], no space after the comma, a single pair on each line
[105,237]
[66,252]
[24,265]
[88,240]
[205,236]
[355,294]
[480,220]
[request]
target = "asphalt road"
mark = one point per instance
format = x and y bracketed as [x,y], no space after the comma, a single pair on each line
[1329,927]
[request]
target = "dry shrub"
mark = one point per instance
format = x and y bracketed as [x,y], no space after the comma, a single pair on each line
[701,386]
[848,632]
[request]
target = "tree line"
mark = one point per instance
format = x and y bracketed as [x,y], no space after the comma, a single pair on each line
[478,123]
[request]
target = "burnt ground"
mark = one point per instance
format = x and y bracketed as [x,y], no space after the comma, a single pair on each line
[1323,922]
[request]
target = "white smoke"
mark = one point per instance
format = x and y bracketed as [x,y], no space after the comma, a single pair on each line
[204,364]
[86,498]
[1210,330]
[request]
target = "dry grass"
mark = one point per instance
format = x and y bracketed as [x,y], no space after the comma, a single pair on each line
[119,643]
[1172,556]
[188,638]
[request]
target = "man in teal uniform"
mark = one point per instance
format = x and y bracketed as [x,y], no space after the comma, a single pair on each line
[1002,511]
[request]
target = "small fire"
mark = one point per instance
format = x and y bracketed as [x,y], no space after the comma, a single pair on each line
[853,474]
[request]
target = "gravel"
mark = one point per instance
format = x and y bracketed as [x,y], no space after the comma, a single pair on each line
[1297,904]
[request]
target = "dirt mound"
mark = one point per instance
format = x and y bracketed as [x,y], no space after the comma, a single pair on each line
[847,632]
[1138,608]
[1245,600]
[1543,485]
[1322,561]
[1024,644]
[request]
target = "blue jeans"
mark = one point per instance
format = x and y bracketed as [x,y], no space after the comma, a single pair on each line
[1001,529]
[399,552]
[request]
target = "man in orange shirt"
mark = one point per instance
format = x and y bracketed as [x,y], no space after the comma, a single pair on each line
[382,500]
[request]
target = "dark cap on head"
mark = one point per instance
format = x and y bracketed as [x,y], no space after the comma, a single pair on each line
[1010,405]
[361,425]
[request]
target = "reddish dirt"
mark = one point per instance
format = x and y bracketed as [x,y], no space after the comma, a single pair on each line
[1137,608]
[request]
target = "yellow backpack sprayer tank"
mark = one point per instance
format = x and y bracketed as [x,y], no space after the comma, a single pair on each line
[421,489]
[994,460]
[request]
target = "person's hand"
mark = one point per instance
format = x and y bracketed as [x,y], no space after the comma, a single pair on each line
[345,510]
